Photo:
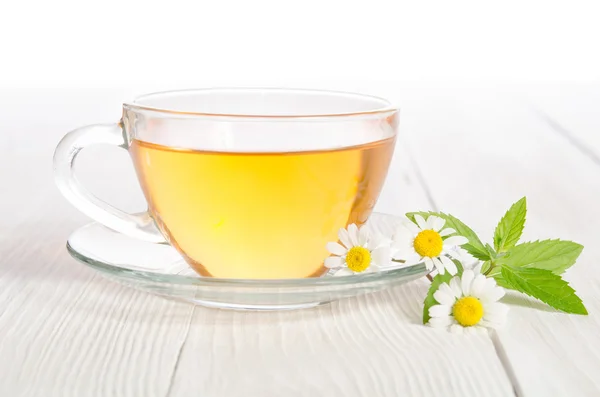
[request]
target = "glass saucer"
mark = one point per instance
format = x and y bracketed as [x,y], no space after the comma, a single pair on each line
[159,269]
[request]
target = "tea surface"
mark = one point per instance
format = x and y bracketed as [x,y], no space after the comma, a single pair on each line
[259,215]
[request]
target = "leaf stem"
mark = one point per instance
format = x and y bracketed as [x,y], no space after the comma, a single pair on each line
[492,266]
[430,278]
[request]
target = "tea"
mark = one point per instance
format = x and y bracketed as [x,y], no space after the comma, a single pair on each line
[259,215]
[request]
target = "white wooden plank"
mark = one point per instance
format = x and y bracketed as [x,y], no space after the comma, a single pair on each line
[479,154]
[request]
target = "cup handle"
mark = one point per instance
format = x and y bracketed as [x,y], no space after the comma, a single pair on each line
[140,226]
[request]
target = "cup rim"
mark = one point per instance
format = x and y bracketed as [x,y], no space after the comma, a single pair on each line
[385,108]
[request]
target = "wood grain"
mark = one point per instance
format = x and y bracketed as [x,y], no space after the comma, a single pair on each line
[513,152]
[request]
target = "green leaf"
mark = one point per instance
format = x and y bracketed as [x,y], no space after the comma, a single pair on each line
[545,286]
[474,247]
[490,250]
[500,280]
[429,300]
[509,230]
[554,255]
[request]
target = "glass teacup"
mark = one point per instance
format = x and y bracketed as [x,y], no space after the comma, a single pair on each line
[244,183]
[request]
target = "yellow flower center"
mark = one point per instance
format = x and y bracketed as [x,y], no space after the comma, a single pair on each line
[428,243]
[358,259]
[467,311]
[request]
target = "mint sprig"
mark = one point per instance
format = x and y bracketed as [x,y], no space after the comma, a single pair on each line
[533,268]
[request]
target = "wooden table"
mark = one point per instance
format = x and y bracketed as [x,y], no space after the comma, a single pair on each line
[66,331]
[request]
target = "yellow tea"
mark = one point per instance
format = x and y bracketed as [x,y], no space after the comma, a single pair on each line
[259,215]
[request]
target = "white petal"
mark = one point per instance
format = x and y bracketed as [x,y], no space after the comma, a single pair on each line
[456,329]
[344,272]
[438,223]
[443,298]
[363,235]
[377,239]
[381,256]
[430,221]
[466,280]
[439,265]
[366,271]
[405,253]
[401,253]
[414,229]
[467,259]
[477,268]
[447,231]
[421,222]
[469,330]
[428,263]
[477,285]
[487,324]
[489,285]
[336,249]
[414,258]
[455,241]
[440,310]
[492,295]
[444,295]
[455,286]
[439,322]
[371,269]
[409,260]
[334,262]
[353,234]
[449,265]
[475,329]
[345,238]
[456,255]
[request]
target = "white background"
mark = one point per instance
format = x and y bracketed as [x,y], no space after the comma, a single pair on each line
[139,46]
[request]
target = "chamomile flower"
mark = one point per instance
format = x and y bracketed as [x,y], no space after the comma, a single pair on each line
[468,304]
[424,242]
[359,252]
